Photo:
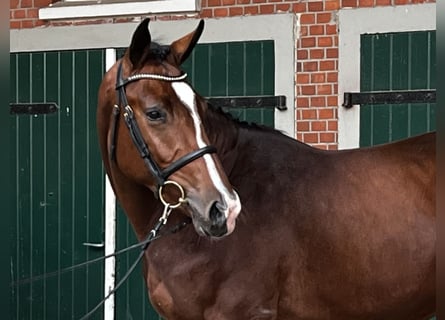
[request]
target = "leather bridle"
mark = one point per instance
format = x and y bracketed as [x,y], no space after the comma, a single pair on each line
[160,175]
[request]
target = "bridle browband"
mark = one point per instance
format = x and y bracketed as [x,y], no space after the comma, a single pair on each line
[161,175]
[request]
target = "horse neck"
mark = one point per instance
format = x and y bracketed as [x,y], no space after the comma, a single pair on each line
[223,133]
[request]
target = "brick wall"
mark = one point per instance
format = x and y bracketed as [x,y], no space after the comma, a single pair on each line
[317,51]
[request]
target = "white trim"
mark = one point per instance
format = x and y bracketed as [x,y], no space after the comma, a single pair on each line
[74,11]
[353,23]
[277,27]
[110,225]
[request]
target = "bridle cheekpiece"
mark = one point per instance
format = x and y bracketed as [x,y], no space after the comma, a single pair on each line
[161,175]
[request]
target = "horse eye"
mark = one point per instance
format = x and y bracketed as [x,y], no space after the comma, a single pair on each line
[154,114]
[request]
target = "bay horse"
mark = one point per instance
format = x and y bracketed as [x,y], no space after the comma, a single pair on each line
[280,230]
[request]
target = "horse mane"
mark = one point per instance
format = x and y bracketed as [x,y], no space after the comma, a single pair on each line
[220,112]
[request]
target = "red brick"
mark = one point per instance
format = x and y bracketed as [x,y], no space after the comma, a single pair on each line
[214,3]
[299,67]
[318,125]
[302,102]
[243,1]
[13,4]
[307,18]
[327,137]
[208,13]
[324,17]
[382,2]
[221,12]
[333,146]
[283,7]
[366,3]
[302,54]
[258,1]
[332,77]
[310,137]
[308,90]
[42,3]
[235,11]
[324,41]
[302,78]
[324,89]
[308,42]
[332,53]
[396,2]
[14,24]
[316,53]
[27,24]
[251,10]
[32,13]
[299,135]
[327,65]
[318,77]
[26,4]
[332,101]
[303,126]
[310,66]
[267,8]
[348,3]
[318,102]
[316,29]
[19,14]
[228,2]
[331,29]
[326,114]
[299,7]
[308,114]
[332,5]
[315,6]
[333,125]
[39,23]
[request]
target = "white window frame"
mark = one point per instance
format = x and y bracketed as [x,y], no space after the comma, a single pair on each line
[77,9]
[355,22]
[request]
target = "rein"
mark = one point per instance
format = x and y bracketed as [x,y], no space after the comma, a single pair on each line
[152,235]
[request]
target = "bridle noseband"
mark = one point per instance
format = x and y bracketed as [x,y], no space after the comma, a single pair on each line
[161,175]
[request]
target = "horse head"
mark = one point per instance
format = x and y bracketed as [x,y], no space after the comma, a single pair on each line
[166,140]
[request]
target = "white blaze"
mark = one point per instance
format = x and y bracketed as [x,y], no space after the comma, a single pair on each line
[187,96]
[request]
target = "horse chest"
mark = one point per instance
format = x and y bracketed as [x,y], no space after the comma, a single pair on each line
[193,286]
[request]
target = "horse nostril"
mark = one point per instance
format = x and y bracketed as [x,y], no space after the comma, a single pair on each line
[217,217]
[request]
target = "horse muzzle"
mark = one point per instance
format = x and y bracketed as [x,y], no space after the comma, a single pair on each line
[221,218]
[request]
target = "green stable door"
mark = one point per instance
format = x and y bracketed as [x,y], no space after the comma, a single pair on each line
[57,184]
[397,61]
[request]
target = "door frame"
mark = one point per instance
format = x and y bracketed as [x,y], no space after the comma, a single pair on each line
[355,22]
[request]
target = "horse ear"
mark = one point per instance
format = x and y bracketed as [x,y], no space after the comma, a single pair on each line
[140,42]
[181,48]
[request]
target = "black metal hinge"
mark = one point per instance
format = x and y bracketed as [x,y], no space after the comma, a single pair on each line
[278,102]
[389,97]
[33,108]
